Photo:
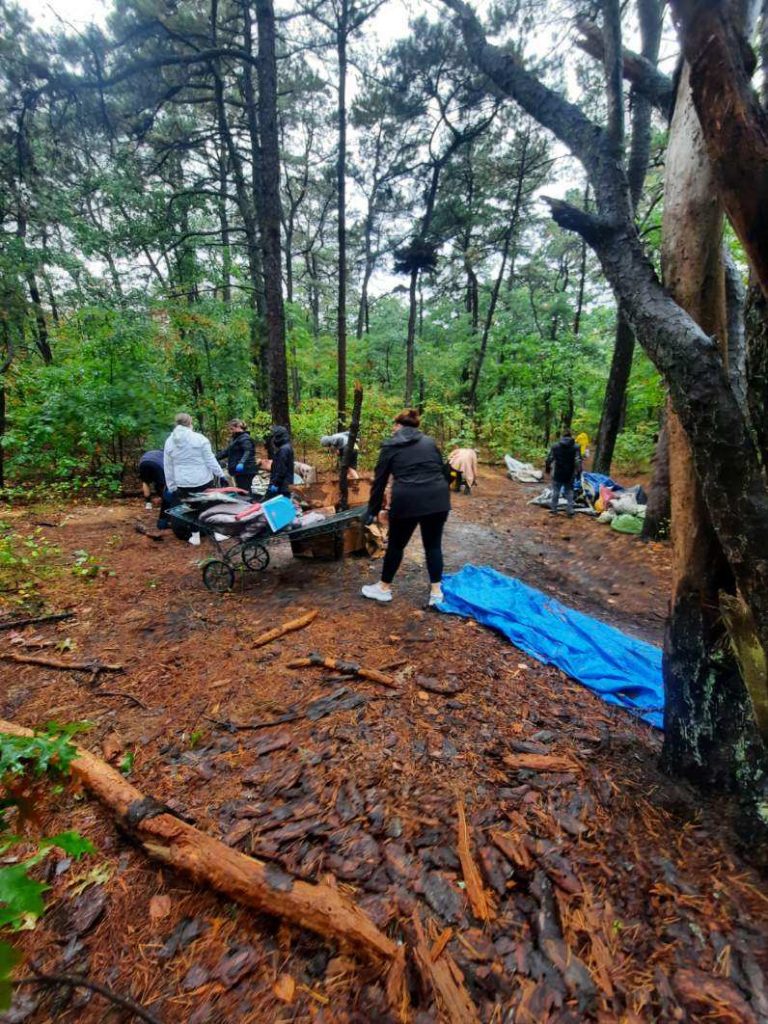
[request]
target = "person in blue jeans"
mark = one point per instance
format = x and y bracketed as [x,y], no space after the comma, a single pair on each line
[564,462]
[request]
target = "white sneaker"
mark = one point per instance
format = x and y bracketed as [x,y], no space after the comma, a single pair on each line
[195,539]
[435,598]
[221,537]
[376,592]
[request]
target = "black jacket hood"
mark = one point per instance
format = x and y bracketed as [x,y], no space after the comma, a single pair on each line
[280,436]
[405,435]
[567,441]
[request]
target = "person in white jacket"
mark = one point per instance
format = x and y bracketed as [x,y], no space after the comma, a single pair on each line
[189,462]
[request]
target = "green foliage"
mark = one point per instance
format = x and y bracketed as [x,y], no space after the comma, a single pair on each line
[49,751]
[634,449]
[85,566]
[9,958]
[24,761]
[25,559]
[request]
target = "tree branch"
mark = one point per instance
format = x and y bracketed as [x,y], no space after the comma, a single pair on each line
[640,72]
[79,981]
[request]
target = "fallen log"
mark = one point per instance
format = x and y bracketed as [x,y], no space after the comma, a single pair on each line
[287,627]
[478,897]
[18,623]
[78,666]
[263,886]
[444,979]
[352,667]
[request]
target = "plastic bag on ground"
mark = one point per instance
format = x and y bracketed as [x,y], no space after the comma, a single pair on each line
[626,503]
[523,472]
[627,524]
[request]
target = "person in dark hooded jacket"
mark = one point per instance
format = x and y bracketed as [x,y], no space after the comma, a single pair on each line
[281,471]
[240,455]
[420,497]
[564,462]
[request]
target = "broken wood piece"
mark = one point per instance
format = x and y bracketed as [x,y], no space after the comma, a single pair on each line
[337,665]
[541,762]
[444,979]
[18,623]
[265,887]
[514,850]
[440,943]
[287,627]
[479,899]
[94,667]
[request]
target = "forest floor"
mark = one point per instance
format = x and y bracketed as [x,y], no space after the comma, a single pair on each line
[616,895]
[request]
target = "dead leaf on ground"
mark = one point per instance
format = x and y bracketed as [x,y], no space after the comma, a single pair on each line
[159,907]
[285,988]
[112,746]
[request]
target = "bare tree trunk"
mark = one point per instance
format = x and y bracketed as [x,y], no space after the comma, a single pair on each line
[271,214]
[226,251]
[410,340]
[341,189]
[658,512]
[346,458]
[615,390]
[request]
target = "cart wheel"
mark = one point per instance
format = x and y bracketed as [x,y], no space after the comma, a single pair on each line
[255,556]
[219,577]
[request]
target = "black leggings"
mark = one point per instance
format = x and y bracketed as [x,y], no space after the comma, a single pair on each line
[401,531]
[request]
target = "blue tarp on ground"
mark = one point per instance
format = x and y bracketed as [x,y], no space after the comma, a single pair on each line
[620,669]
[594,481]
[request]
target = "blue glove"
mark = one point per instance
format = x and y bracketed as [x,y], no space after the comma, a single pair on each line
[272,489]
[239,467]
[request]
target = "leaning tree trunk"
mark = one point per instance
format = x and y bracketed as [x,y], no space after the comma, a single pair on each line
[614,403]
[710,733]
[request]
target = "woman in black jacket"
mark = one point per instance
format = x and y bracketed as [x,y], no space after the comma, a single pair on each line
[240,455]
[420,497]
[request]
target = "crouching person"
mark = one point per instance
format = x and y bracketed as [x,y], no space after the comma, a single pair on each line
[189,462]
